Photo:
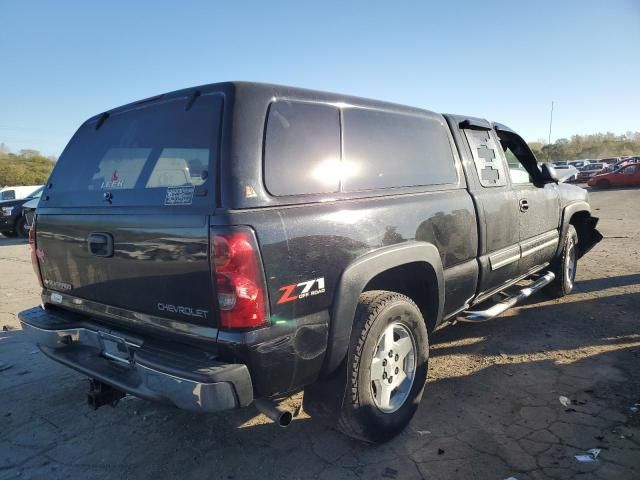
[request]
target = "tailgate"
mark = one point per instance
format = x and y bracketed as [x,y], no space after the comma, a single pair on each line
[124,218]
[157,265]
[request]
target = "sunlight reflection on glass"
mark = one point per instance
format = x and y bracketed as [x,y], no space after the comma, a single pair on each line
[331,170]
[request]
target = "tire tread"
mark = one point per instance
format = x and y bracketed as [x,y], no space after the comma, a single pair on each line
[370,304]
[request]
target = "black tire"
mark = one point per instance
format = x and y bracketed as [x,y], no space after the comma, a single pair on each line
[603,184]
[360,417]
[19,228]
[565,266]
[11,234]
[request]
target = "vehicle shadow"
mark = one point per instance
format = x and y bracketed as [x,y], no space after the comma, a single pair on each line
[7,241]
[596,284]
[613,187]
[537,326]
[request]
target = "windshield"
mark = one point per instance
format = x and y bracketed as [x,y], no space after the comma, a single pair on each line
[8,195]
[37,193]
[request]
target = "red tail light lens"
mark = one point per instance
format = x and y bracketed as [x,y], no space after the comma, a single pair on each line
[34,253]
[239,279]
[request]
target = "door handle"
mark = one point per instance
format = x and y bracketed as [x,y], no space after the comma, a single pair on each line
[524,205]
[100,244]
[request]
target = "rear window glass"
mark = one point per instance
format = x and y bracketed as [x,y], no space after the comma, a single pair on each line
[384,149]
[180,166]
[302,148]
[139,155]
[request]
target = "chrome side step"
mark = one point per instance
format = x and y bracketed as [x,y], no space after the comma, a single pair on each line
[502,306]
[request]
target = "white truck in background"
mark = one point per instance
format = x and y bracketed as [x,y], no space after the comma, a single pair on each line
[18,192]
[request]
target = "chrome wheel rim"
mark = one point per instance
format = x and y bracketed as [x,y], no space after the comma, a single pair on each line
[393,367]
[571,264]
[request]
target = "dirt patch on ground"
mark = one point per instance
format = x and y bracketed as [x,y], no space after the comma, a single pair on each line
[491,410]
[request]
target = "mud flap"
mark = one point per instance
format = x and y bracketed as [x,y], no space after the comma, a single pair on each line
[324,398]
[588,236]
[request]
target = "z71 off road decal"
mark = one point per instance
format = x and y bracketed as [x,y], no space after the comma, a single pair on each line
[301,290]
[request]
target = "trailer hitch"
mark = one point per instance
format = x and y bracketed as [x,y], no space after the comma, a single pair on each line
[102,394]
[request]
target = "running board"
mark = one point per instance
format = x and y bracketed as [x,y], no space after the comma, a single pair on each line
[501,307]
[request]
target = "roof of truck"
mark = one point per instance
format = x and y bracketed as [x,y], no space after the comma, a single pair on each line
[250,90]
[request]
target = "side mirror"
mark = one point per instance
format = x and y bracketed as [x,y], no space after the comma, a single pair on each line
[548,173]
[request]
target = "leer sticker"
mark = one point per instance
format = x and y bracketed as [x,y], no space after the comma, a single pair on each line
[179,196]
[114,182]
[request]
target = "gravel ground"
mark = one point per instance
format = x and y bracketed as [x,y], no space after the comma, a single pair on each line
[491,409]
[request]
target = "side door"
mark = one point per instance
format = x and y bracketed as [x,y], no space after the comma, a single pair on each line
[495,201]
[537,202]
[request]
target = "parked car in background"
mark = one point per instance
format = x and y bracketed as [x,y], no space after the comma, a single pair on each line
[628,175]
[611,160]
[567,173]
[28,213]
[11,218]
[589,171]
[621,164]
[16,193]
[579,163]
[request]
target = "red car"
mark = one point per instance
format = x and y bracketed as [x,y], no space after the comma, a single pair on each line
[625,176]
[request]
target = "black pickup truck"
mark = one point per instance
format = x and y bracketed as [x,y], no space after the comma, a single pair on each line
[235,243]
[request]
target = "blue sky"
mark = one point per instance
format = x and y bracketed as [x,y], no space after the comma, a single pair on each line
[62,62]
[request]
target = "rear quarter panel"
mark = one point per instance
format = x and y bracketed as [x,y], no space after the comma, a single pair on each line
[314,244]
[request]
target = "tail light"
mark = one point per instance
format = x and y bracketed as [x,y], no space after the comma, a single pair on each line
[242,293]
[34,253]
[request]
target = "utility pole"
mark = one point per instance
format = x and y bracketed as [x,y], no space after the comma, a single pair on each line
[551,121]
[550,124]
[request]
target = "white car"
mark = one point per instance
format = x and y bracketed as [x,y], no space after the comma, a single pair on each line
[567,173]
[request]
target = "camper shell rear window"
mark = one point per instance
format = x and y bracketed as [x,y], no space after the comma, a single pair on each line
[153,154]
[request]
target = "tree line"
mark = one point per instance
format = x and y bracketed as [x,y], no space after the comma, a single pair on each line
[30,167]
[593,147]
[27,167]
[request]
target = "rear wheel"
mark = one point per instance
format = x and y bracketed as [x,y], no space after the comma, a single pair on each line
[11,234]
[565,266]
[387,366]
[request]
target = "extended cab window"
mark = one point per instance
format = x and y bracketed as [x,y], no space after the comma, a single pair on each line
[147,155]
[302,148]
[384,149]
[486,158]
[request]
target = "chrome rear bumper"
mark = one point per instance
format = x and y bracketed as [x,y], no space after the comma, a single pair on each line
[185,377]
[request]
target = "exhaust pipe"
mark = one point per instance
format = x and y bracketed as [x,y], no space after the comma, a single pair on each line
[273,411]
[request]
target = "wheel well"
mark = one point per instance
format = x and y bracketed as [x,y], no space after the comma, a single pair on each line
[416,280]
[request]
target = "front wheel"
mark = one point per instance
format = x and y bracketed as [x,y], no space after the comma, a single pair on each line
[21,228]
[565,266]
[603,184]
[388,363]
